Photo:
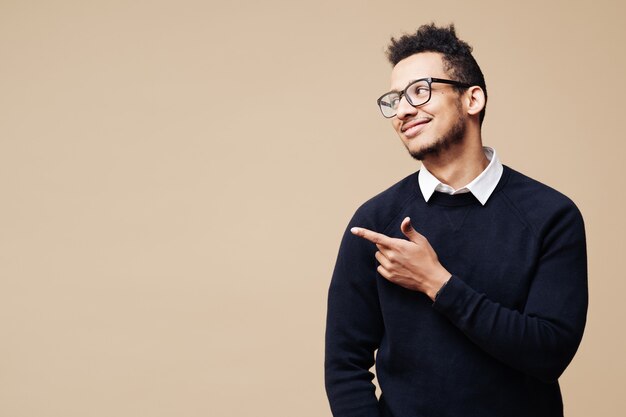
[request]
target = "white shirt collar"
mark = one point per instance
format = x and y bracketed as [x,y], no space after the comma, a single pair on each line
[481,187]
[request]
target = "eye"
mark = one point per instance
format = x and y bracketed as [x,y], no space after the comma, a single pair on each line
[418,89]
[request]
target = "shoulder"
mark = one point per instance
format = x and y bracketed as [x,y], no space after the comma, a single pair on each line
[382,208]
[530,193]
[538,203]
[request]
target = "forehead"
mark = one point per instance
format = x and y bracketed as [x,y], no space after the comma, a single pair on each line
[422,65]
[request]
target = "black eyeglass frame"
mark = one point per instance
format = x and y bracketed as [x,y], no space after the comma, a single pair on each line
[430,81]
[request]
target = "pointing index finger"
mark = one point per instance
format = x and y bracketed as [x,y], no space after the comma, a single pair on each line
[372,236]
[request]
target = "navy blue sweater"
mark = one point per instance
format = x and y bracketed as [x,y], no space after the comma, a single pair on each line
[501,331]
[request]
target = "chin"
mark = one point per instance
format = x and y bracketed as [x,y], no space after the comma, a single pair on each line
[433,148]
[419,154]
[419,148]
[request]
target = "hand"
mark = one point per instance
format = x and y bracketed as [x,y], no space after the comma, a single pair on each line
[412,264]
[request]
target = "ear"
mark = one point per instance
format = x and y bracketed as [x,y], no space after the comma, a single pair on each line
[475,100]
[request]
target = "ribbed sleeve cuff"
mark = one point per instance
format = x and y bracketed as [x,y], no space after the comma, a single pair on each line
[454,298]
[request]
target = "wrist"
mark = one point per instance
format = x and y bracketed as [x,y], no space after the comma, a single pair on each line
[439,284]
[441,289]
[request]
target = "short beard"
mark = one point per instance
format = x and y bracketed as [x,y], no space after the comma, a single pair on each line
[454,136]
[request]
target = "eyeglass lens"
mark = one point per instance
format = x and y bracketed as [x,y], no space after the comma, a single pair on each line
[417,94]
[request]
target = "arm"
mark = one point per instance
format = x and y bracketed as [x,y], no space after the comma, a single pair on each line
[542,339]
[354,328]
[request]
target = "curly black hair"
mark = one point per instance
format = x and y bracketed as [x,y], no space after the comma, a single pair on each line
[457,56]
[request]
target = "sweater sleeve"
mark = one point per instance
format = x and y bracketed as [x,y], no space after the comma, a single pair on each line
[354,328]
[542,339]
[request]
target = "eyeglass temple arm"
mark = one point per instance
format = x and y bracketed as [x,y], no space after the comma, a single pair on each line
[451,82]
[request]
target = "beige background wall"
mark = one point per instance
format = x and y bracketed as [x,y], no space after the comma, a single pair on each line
[175,178]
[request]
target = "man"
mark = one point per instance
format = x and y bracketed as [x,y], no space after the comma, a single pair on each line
[468,278]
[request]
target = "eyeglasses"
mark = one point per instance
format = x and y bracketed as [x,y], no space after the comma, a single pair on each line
[417,93]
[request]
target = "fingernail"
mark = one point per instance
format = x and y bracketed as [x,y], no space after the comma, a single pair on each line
[355,230]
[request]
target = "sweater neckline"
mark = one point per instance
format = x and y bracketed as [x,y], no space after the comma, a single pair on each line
[464,199]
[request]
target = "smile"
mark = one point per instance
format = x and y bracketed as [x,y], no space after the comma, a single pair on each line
[413,128]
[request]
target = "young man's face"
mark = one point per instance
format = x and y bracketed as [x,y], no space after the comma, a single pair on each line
[432,127]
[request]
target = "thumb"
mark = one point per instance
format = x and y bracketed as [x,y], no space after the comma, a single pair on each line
[408,230]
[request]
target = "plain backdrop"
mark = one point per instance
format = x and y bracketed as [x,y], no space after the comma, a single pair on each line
[175,178]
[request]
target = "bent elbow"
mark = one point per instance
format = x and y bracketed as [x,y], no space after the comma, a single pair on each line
[549,366]
[550,373]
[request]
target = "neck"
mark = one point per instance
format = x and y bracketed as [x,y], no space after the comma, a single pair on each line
[458,165]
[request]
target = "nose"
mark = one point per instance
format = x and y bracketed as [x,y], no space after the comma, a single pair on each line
[405,109]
